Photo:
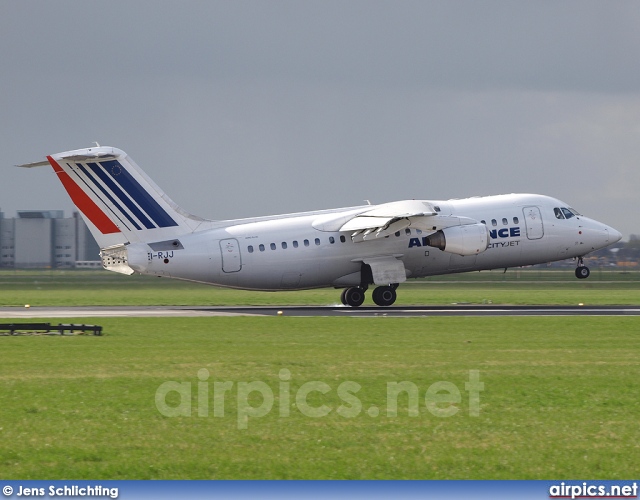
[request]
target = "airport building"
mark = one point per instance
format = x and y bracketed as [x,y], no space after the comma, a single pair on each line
[46,239]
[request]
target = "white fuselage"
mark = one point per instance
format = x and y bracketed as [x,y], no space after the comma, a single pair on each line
[289,252]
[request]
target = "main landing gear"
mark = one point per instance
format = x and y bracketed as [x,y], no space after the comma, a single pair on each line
[383,295]
[582,271]
[353,296]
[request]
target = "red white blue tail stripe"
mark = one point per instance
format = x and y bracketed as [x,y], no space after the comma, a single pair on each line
[115,196]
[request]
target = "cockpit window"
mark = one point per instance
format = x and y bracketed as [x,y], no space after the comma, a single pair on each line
[567,213]
[558,213]
[574,212]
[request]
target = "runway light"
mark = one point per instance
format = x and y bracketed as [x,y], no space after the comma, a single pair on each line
[27,306]
[580,304]
[280,313]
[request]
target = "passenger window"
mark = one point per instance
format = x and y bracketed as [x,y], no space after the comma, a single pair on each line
[342,238]
[516,220]
[567,213]
[484,222]
[419,231]
[504,221]
[306,243]
[397,233]
[318,241]
[261,247]
[284,245]
[273,246]
[332,240]
[494,222]
[295,244]
[558,213]
[250,249]
[436,208]
[407,231]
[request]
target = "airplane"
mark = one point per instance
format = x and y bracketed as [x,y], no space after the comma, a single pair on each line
[139,229]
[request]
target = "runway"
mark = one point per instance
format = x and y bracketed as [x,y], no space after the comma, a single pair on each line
[310,311]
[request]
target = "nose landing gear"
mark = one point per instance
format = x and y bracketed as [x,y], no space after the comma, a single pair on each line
[582,271]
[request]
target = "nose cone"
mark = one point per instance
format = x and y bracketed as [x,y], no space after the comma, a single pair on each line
[614,235]
[597,235]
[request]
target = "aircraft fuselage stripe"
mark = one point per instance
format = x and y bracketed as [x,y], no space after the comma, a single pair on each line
[106,193]
[120,174]
[84,203]
[84,181]
[104,177]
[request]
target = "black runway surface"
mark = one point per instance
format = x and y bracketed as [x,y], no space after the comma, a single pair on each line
[309,311]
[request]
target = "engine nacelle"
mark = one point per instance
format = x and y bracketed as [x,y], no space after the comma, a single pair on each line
[469,239]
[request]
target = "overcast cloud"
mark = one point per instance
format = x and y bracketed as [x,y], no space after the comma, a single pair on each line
[260,107]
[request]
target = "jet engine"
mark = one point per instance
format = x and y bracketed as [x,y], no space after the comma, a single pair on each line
[469,239]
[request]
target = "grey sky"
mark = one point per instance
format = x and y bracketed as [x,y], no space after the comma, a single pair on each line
[252,108]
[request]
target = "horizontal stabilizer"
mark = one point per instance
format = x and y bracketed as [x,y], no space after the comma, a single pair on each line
[71,157]
[34,164]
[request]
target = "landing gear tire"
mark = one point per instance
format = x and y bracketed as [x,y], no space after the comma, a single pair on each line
[343,297]
[354,296]
[384,296]
[582,272]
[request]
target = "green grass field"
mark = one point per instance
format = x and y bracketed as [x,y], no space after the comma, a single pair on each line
[560,399]
[560,396]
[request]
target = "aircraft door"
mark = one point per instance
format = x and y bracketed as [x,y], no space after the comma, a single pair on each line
[533,221]
[231,260]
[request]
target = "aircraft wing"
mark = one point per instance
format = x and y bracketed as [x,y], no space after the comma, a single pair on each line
[379,221]
[384,220]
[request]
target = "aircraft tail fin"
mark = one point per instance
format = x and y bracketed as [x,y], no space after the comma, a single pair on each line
[117,200]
